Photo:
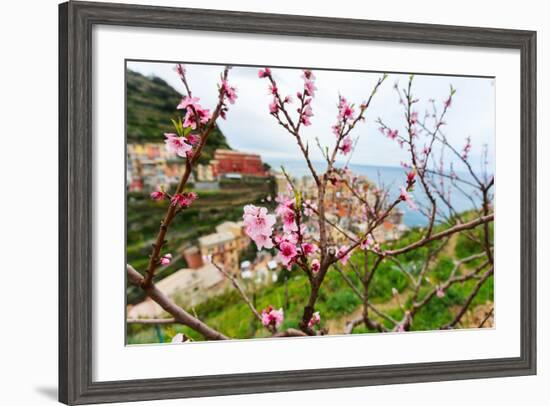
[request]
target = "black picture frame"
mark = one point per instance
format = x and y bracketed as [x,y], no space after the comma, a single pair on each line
[76,20]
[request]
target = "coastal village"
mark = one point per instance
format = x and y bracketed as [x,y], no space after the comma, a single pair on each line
[150,165]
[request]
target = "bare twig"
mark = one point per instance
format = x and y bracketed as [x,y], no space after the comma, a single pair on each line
[241,291]
[487,317]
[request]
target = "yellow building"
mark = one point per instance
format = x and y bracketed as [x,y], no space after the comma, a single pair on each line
[237,229]
[223,248]
[204,173]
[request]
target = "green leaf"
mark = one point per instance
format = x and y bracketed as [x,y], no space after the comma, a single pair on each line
[178,125]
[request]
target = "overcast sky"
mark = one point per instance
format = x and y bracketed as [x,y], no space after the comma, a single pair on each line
[249,127]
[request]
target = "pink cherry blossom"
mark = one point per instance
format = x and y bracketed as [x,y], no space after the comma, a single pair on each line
[410,176]
[264,73]
[257,220]
[413,118]
[315,266]
[343,255]
[259,225]
[263,241]
[315,319]
[309,88]
[392,134]
[273,107]
[287,253]
[288,217]
[272,317]
[309,248]
[188,101]
[288,99]
[308,111]
[406,197]
[183,200]
[305,121]
[308,75]
[284,206]
[346,146]
[284,201]
[309,208]
[305,115]
[367,242]
[291,237]
[345,111]
[193,139]
[165,260]
[336,129]
[191,117]
[177,145]
[467,148]
[440,292]
[158,195]
[230,92]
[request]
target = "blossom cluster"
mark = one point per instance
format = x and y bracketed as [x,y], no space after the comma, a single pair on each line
[259,225]
[272,317]
[291,239]
[466,149]
[194,112]
[183,200]
[278,103]
[178,145]
[180,200]
[195,117]
[346,112]
[315,319]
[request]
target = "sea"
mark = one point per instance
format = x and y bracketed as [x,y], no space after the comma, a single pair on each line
[393,178]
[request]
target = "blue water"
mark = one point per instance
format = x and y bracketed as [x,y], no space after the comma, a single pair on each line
[392,178]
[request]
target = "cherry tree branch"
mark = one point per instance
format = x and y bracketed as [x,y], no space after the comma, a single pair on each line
[239,289]
[470,298]
[180,315]
[442,234]
[172,209]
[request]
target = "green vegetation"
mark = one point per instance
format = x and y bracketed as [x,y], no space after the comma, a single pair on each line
[229,314]
[150,105]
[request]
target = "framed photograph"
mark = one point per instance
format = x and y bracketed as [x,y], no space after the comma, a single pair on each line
[261,202]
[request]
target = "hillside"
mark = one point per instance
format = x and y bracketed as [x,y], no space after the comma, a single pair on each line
[151,104]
